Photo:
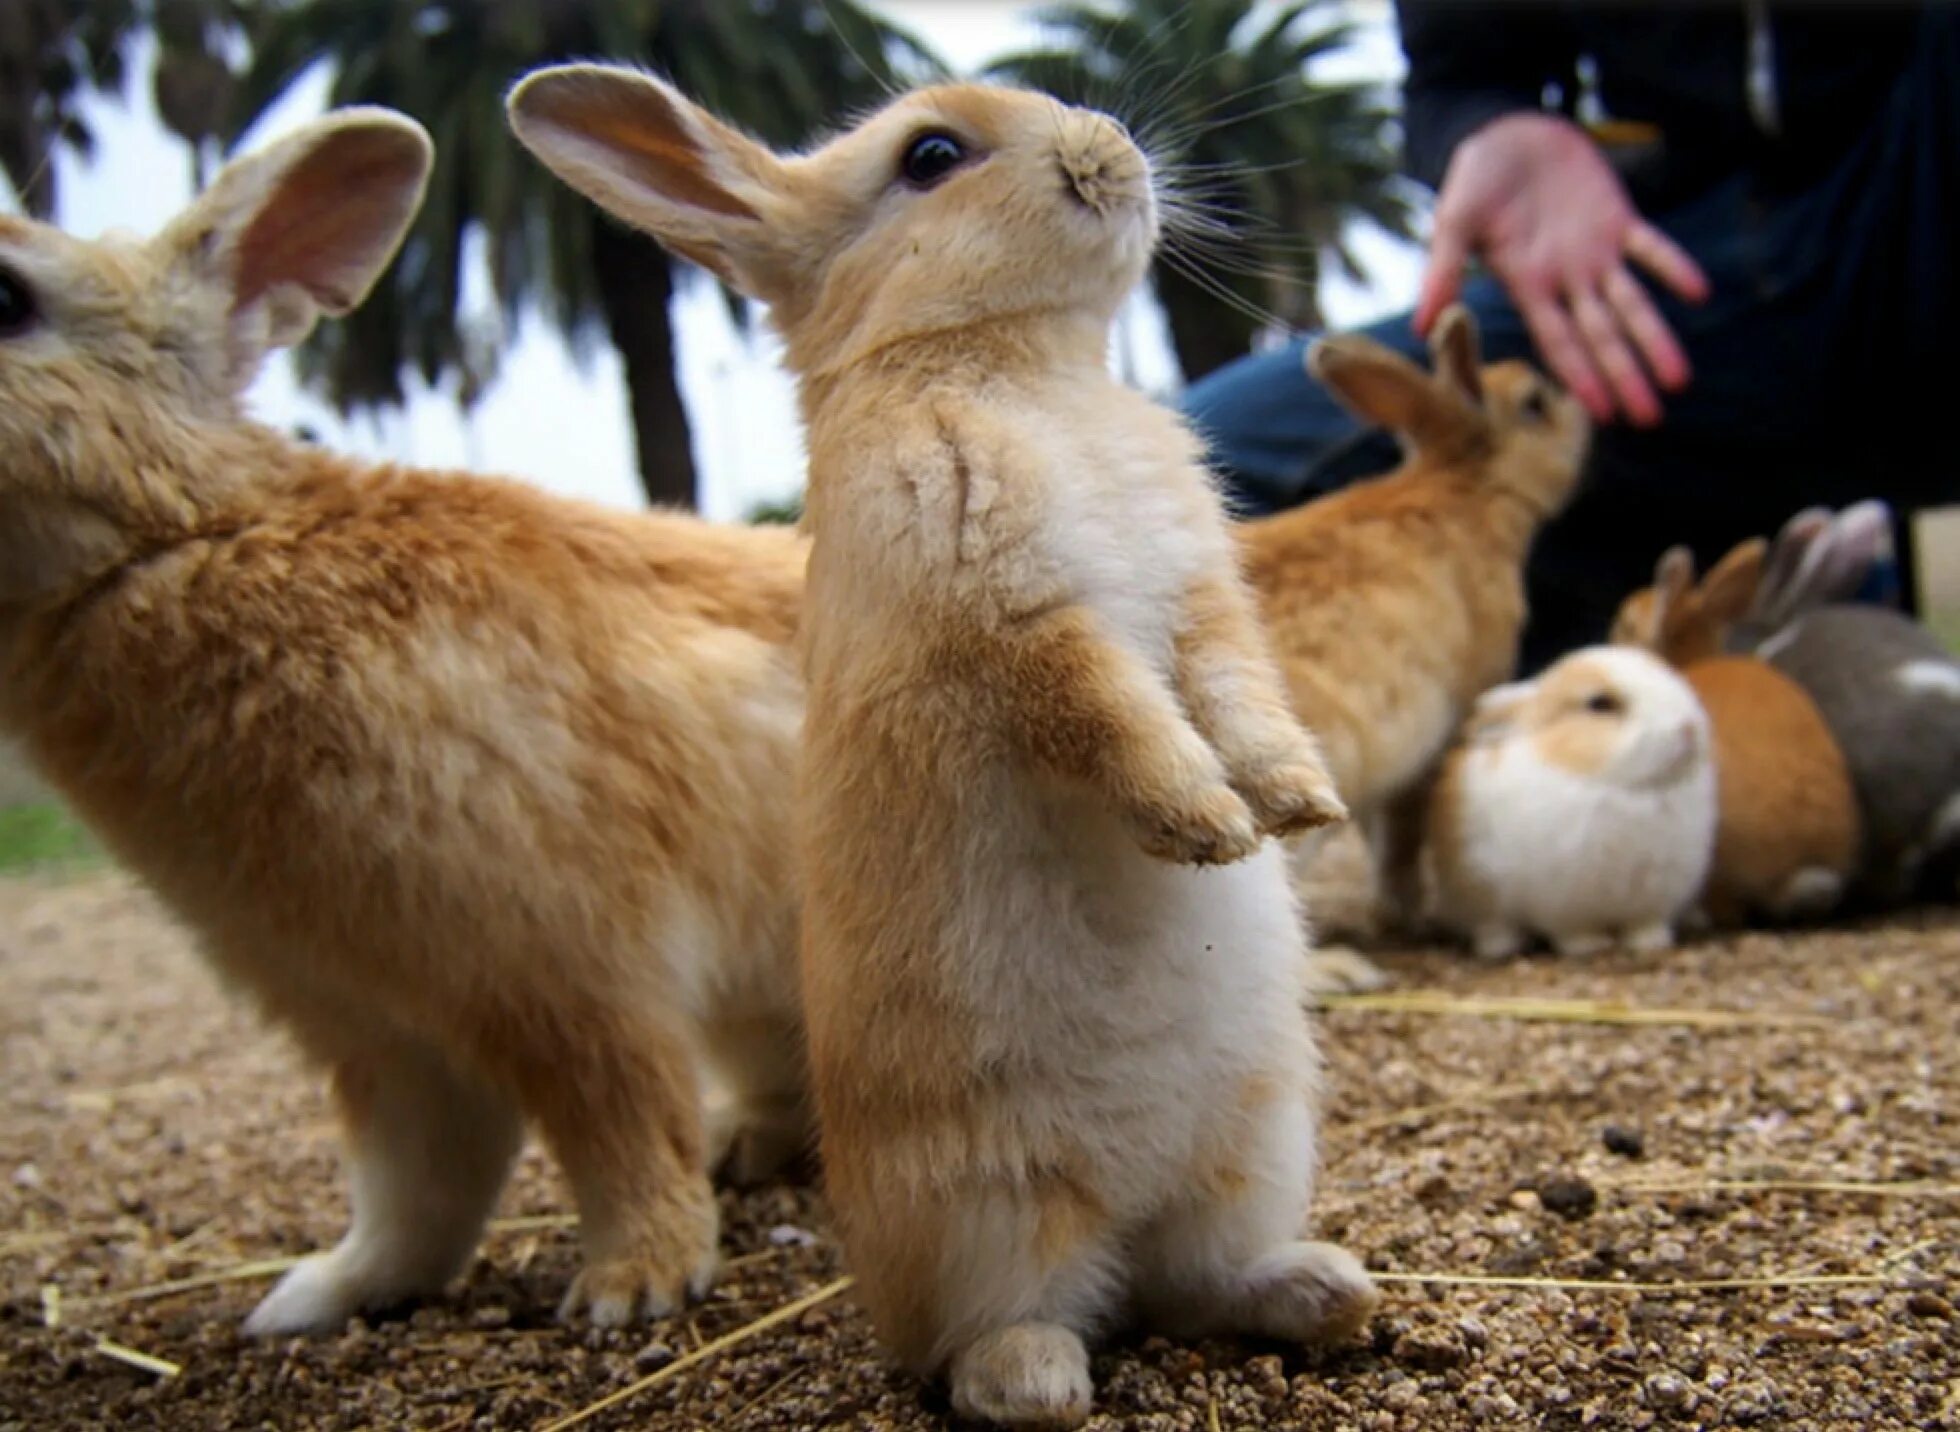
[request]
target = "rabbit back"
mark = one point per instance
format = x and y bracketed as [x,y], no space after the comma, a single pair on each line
[1787,837]
[1890,692]
[439,744]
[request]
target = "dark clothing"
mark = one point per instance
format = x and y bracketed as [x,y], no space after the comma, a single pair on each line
[1819,72]
[1822,361]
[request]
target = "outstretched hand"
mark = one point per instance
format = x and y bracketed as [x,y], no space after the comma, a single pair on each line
[1535,197]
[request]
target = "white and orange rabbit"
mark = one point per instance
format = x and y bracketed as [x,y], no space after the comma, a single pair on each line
[482,794]
[1061,1072]
[1579,806]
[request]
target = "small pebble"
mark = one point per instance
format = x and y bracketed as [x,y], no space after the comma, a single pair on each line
[1928,1304]
[1267,1374]
[1669,1392]
[1568,1197]
[1752,1402]
[1625,1142]
[652,1357]
[1432,1349]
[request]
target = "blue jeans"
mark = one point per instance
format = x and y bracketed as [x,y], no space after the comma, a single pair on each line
[1826,369]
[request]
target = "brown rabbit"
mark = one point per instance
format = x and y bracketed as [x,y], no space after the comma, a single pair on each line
[482,794]
[1061,1074]
[1787,835]
[1393,603]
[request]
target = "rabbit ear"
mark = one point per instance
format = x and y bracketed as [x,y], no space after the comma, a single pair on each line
[300,229]
[1494,712]
[645,153]
[1731,583]
[1674,581]
[1382,387]
[1854,542]
[1454,346]
[1674,575]
[1791,553]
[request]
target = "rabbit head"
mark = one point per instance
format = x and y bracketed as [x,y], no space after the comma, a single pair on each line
[952,207]
[116,350]
[1611,714]
[1683,623]
[1506,422]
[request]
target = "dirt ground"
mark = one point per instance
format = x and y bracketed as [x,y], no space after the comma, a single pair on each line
[151,1130]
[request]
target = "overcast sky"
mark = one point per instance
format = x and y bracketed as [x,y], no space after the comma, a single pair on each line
[565,426]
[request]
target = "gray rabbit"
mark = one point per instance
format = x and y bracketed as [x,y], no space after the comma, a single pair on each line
[1887,687]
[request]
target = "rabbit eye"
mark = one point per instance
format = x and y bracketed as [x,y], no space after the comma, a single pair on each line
[1537,404]
[1605,703]
[16,304]
[930,158]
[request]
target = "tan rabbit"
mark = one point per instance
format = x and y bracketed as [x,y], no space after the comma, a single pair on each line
[1061,1073]
[1787,836]
[1393,603]
[482,794]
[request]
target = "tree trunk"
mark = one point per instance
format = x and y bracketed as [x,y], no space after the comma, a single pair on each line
[1205,333]
[636,285]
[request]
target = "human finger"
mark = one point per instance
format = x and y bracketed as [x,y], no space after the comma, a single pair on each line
[1612,356]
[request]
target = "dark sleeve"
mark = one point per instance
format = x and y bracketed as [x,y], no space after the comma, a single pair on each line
[1468,64]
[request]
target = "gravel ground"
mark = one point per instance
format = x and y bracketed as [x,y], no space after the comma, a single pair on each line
[151,1130]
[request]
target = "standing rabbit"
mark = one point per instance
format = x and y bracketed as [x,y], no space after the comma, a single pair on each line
[1885,685]
[480,793]
[1392,603]
[1579,806]
[1061,1068]
[1787,839]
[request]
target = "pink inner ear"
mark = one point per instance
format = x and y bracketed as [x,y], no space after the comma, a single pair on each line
[333,209]
[636,124]
[669,163]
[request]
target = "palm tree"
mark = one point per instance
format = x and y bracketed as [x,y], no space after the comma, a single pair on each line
[780,68]
[1268,167]
[51,55]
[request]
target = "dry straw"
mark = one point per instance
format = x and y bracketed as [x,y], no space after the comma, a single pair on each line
[1678,1287]
[142,1361]
[1561,1011]
[701,1354]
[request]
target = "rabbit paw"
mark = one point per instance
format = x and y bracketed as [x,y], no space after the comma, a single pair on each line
[1650,939]
[1212,827]
[1031,1375]
[615,1291]
[1497,942]
[1342,969]
[1287,799]
[321,1293]
[1310,1293]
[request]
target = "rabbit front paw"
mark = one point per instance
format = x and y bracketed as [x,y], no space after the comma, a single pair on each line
[1211,826]
[649,1264]
[613,1292]
[1291,797]
[319,1294]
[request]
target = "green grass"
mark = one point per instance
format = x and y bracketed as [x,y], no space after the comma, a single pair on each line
[43,835]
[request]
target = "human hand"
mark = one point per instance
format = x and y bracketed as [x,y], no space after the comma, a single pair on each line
[1535,197]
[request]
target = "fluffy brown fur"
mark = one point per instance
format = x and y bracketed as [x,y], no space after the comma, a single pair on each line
[1392,604]
[1061,1074]
[1787,837]
[482,794]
